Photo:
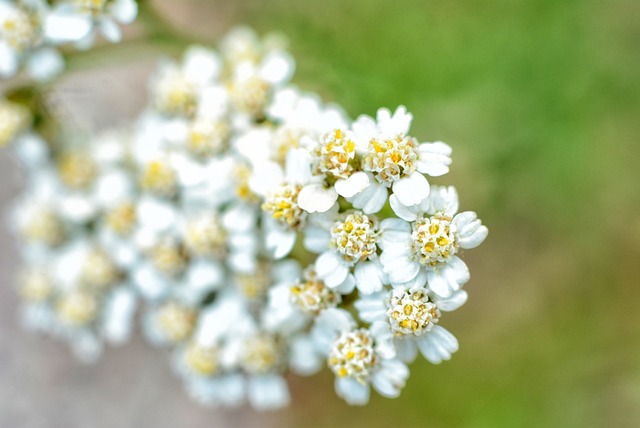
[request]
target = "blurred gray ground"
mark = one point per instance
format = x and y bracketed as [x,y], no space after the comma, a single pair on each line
[41,385]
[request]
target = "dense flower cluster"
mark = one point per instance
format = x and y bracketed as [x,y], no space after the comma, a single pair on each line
[256,230]
[31,31]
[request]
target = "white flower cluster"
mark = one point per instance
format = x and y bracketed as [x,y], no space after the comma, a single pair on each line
[31,31]
[259,230]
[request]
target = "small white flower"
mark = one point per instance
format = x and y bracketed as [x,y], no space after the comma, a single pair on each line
[413,316]
[360,357]
[424,251]
[392,159]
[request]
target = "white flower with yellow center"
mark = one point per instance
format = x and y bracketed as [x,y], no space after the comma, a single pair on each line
[98,271]
[205,236]
[424,251]
[177,88]
[252,83]
[21,41]
[413,316]
[170,323]
[351,242]
[289,197]
[78,20]
[293,303]
[393,159]
[159,178]
[360,357]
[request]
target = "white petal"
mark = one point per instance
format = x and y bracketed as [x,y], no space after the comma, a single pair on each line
[406,349]
[352,391]
[8,60]
[63,25]
[372,199]
[453,302]
[406,213]
[316,239]
[201,65]
[277,67]
[411,190]
[435,158]
[268,392]
[390,378]
[372,308]
[438,345]
[266,177]
[317,198]
[394,231]
[369,276]
[125,11]
[304,358]
[353,185]
[381,331]
[398,124]
[280,242]
[44,64]
[470,230]
[110,30]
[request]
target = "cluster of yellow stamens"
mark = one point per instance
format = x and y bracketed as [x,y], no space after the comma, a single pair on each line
[335,154]
[261,354]
[312,295]
[169,258]
[207,137]
[392,158]
[176,322]
[175,95]
[14,118]
[433,240]
[44,227]
[21,30]
[94,7]
[77,308]
[250,95]
[355,237]
[122,218]
[242,174]
[202,360]
[205,236]
[411,312]
[99,271]
[352,355]
[77,170]
[159,178]
[283,206]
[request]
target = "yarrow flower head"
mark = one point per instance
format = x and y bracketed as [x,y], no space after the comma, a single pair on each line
[259,230]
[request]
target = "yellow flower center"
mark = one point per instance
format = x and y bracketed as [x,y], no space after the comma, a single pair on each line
[283,206]
[391,159]
[355,237]
[159,178]
[335,154]
[261,355]
[433,240]
[202,360]
[176,322]
[77,308]
[352,355]
[412,313]
[77,170]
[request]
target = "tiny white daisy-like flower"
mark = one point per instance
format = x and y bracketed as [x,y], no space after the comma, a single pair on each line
[393,159]
[360,357]
[291,305]
[177,89]
[78,20]
[289,197]
[170,323]
[425,250]
[21,41]
[413,316]
[352,242]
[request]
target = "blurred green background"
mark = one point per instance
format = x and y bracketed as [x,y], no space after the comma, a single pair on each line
[540,100]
